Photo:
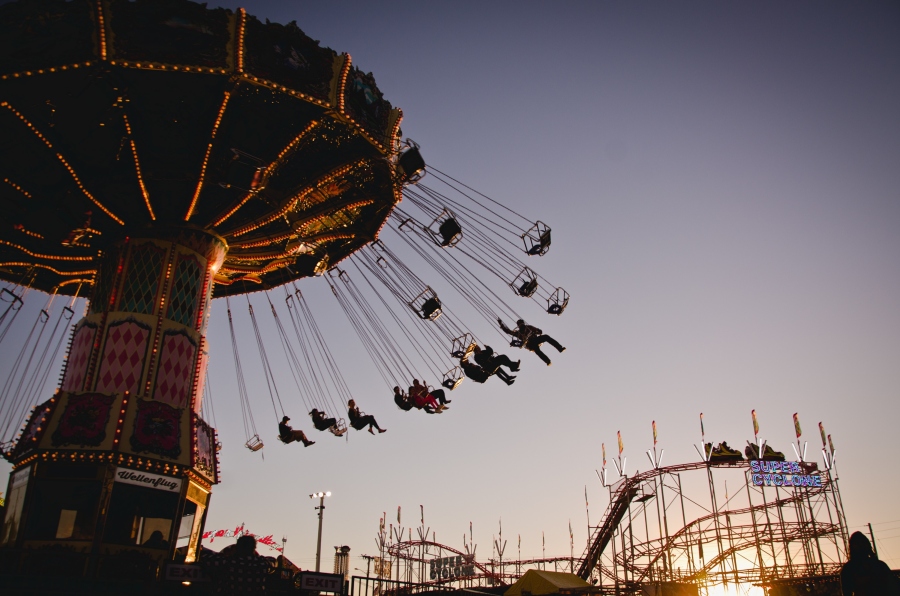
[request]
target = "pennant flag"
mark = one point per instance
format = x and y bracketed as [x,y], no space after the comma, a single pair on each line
[603,446]
[654,433]
[755,423]
[830,445]
[571,535]
[702,430]
[797,425]
[398,515]
[422,511]
[822,432]
[621,447]
[585,497]
[520,542]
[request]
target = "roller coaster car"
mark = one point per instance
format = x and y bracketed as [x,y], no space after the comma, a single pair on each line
[769,454]
[244,172]
[255,443]
[537,239]
[427,305]
[525,284]
[722,452]
[452,378]
[462,346]
[557,302]
[410,164]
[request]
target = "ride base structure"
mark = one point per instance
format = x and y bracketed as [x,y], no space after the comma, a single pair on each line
[161,153]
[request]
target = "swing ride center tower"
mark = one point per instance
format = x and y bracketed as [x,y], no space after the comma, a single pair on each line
[154,155]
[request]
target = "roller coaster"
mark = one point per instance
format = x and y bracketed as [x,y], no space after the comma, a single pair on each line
[686,528]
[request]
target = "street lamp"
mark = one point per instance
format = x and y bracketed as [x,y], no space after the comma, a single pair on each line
[321,508]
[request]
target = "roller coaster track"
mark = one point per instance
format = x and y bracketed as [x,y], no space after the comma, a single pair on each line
[621,500]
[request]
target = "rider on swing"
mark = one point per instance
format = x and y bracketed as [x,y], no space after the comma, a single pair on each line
[289,435]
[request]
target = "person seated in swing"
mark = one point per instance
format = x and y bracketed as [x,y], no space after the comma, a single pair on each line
[359,421]
[438,397]
[449,229]
[429,307]
[481,375]
[531,338]
[322,422]
[528,287]
[289,435]
[487,359]
[402,400]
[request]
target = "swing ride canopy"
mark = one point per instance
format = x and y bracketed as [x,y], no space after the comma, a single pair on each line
[117,117]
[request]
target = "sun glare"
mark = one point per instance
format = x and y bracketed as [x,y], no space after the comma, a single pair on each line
[735,590]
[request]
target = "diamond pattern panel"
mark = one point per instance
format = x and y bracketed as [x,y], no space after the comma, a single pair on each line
[175,373]
[79,358]
[123,357]
[185,293]
[145,269]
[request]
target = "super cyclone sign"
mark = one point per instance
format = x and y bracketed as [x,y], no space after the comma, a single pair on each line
[782,473]
[452,567]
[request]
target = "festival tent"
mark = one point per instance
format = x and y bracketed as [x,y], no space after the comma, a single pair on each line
[539,583]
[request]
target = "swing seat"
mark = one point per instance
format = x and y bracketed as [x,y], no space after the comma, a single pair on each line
[557,302]
[462,346]
[537,239]
[410,164]
[445,230]
[453,378]
[340,427]
[255,443]
[525,284]
[426,305]
[244,173]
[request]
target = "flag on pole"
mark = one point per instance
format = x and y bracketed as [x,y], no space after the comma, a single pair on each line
[422,511]
[398,515]
[654,433]
[797,425]
[830,445]
[571,535]
[585,497]
[702,430]
[603,447]
[755,423]
[822,432]
[621,447]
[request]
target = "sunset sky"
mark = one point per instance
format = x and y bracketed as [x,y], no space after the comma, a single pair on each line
[722,184]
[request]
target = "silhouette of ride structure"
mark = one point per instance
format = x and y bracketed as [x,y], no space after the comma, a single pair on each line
[158,155]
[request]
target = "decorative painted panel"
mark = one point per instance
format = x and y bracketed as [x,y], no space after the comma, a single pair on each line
[175,370]
[84,420]
[205,449]
[184,295]
[144,270]
[79,357]
[157,429]
[124,353]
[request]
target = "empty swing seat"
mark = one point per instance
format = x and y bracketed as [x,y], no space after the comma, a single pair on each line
[537,239]
[255,443]
[452,378]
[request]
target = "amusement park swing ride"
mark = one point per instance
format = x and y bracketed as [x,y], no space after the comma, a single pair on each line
[157,155]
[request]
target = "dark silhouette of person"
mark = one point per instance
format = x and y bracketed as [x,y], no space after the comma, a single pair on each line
[864,574]
[359,421]
[480,375]
[289,435]
[322,422]
[449,229]
[429,307]
[402,400]
[431,395]
[238,569]
[156,540]
[531,338]
[487,359]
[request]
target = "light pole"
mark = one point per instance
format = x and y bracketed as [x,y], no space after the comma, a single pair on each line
[321,509]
